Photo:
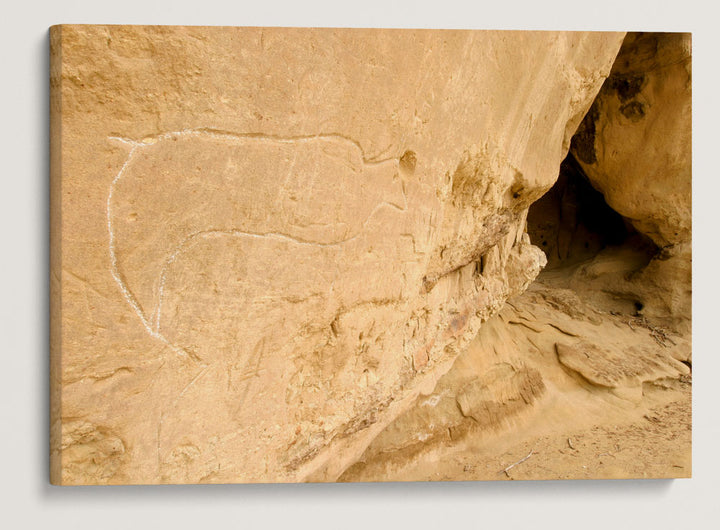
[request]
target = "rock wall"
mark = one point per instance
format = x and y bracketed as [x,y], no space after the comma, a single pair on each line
[272,240]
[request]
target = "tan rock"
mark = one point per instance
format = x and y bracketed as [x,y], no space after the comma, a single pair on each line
[607,368]
[635,146]
[268,242]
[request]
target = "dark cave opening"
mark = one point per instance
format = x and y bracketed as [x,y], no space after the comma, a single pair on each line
[572,222]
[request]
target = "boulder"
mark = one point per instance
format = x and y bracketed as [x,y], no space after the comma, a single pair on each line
[635,147]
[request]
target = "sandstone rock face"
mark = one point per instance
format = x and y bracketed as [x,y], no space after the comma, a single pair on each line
[635,147]
[272,240]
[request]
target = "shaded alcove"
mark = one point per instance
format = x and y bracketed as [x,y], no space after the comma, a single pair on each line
[572,223]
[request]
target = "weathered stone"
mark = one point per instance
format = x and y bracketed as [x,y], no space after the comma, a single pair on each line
[635,147]
[272,240]
[607,368]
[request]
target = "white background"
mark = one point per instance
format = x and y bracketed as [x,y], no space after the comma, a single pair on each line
[27,500]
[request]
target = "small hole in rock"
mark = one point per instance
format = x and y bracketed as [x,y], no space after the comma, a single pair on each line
[408,161]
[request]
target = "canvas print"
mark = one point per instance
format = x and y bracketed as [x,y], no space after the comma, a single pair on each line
[320,255]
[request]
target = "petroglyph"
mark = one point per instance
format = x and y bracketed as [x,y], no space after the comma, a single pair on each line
[324,191]
[207,266]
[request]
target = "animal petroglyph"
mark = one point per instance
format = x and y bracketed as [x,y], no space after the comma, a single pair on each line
[324,194]
[244,289]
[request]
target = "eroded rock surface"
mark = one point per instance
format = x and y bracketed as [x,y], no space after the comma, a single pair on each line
[635,147]
[273,240]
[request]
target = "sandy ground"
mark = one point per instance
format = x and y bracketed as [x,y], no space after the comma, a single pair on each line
[656,445]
